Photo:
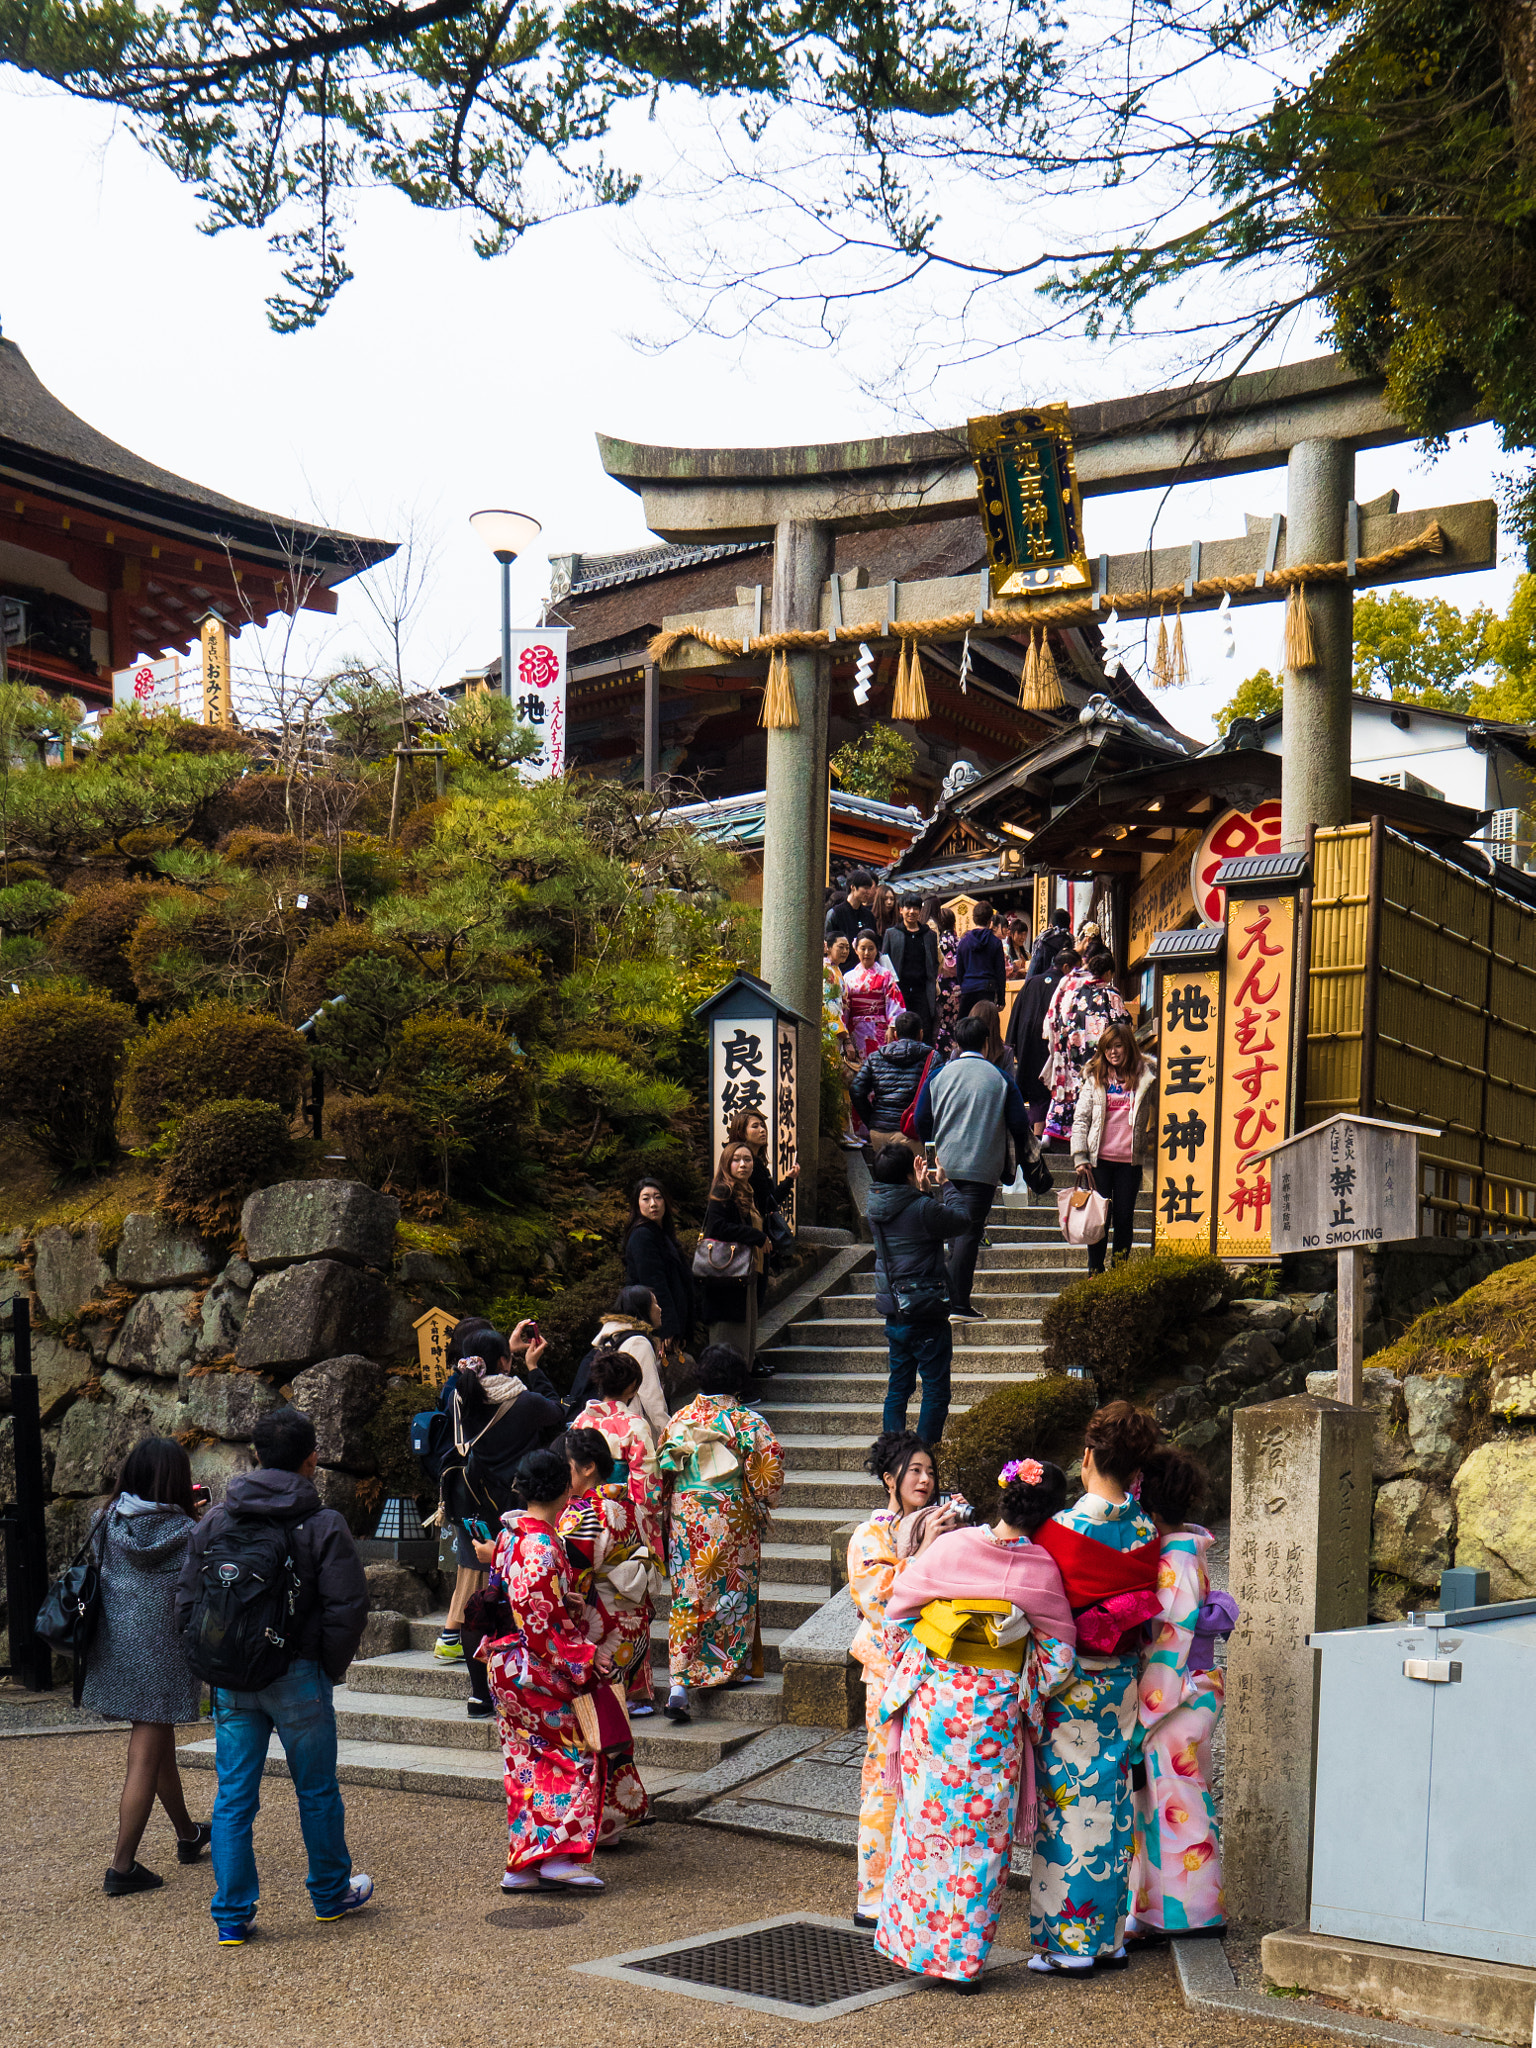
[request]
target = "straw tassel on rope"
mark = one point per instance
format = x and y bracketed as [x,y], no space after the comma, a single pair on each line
[910,701]
[781,713]
[1300,651]
[1049,695]
[1027,682]
[1180,658]
[1162,664]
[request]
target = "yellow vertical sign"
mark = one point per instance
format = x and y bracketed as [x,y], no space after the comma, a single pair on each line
[1255,1067]
[1184,1182]
[218,707]
[1042,904]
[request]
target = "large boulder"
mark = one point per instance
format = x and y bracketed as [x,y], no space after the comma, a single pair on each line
[319,1219]
[1411,1531]
[227,1404]
[61,1374]
[94,1439]
[1391,1451]
[214,1465]
[159,1334]
[337,1490]
[339,1396]
[158,1401]
[309,1312]
[224,1307]
[1261,1315]
[157,1253]
[383,1634]
[1513,1395]
[1495,1494]
[1439,1415]
[69,1270]
[1249,1357]
[397,1587]
[66,1524]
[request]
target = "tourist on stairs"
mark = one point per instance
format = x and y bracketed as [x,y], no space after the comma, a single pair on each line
[886,1086]
[904,1465]
[1114,1130]
[554,1783]
[911,1285]
[1107,1550]
[990,1638]
[723,1472]
[615,1568]
[731,1217]
[1176,1867]
[615,1383]
[135,1671]
[653,1258]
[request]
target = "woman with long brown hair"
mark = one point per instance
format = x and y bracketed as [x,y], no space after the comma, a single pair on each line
[731,1220]
[1001,1056]
[1113,1132]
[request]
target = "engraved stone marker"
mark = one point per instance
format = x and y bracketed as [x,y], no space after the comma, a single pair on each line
[1301,1534]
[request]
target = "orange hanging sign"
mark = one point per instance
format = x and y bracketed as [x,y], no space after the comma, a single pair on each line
[1255,1068]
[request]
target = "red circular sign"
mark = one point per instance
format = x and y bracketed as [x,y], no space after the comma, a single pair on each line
[1234,835]
[539,666]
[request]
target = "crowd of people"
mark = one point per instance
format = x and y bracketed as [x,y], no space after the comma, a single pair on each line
[1043,1681]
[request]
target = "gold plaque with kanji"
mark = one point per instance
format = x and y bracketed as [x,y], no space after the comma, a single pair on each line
[1031,508]
[432,1333]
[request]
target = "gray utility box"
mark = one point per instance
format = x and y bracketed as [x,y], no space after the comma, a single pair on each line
[1426,1784]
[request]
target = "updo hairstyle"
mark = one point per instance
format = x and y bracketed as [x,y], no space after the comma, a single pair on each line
[1121,1438]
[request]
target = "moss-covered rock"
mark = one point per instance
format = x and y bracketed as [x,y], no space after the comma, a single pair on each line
[1040,1418]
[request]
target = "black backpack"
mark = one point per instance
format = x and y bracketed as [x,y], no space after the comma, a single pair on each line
[578,1397]
[241,1634]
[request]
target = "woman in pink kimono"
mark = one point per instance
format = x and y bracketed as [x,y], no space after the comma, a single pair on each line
[970,1691]
[554,1785]
[1085,1002]
[615,1382]
[1176,1865]
[871,999]
[877,1552]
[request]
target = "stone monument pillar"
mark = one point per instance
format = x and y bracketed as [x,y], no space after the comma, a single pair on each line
[795,827]
[1314,763]
[1301,1537]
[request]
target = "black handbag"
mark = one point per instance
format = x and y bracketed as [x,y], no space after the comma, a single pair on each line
[780,1236]
[68,1617]
[1037,1175]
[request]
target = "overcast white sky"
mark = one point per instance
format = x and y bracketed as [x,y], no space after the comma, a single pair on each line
[442,383]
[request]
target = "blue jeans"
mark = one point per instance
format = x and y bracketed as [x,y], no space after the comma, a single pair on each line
[298,1706]
[927,1348]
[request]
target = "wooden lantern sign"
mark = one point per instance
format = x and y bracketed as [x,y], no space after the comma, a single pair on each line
[1342,1186]
[432,1333]
[1031,509]
[754,1064]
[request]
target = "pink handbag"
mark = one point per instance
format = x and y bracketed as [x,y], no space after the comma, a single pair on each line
[1084,1214]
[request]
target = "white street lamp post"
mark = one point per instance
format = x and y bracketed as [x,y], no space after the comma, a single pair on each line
[506,534]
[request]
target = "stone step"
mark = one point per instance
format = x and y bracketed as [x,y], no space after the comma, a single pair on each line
[440,1719]
[855,1333]
[1023,1290]
[782,1605]
[854,1419]
[852,1493]
[771,1639]
[797,1564]
[811,1451]
[847,1388]
[979,1347]
[813,1525]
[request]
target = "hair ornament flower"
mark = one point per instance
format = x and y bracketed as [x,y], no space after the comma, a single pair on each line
[1030,1470]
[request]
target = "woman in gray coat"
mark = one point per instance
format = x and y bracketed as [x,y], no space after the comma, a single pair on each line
[135,1670]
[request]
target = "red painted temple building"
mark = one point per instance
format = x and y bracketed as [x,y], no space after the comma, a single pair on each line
[105,557]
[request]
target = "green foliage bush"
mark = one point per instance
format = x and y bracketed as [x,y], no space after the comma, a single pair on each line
[221,1153]
[314,973]
[92,936]
[1111,1325]
[385,1441]
[181,945]
[1040,1418]
[26,905]
[386,1142]
[60,1057]
[465,1082]
[215,1053]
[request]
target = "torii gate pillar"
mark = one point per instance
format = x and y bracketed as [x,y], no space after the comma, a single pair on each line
[795,841]
[1315,759]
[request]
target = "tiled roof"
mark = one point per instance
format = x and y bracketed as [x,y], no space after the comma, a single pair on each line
[639,565]
[741,820]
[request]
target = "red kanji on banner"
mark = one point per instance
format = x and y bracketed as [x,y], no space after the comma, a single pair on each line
[143,683]
[539,666]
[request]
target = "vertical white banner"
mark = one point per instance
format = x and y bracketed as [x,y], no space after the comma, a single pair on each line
[537,692]
[152,685]
[785,1114]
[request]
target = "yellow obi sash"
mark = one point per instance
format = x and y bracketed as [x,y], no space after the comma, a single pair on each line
[965,1632]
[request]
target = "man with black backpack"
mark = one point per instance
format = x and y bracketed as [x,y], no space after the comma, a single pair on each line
[271,1606]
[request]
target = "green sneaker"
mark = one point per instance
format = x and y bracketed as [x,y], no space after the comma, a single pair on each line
[449,1650]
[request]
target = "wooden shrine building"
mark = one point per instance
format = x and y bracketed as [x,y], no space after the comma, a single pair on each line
[105,557]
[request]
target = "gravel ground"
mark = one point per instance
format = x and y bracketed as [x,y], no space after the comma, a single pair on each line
[441,1957]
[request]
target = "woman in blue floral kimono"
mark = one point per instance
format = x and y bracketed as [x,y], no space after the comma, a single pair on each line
[723,1471]
[987,1636]
[1108,1553]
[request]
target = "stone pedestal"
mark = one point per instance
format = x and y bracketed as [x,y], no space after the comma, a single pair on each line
[1301,1534]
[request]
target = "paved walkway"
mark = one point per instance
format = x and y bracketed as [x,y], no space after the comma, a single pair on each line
[441,1959]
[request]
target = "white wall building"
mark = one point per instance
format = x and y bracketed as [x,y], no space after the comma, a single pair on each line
[1486,766]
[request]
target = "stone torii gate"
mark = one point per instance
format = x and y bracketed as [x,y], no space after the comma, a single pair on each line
[1309,416]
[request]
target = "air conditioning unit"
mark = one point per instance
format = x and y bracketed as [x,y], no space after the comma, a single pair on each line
[1412,785]
[1504,836]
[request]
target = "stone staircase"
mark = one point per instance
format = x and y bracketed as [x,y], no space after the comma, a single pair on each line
[401,1717]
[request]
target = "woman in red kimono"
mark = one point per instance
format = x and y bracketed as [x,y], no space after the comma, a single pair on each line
[554,1785]
[615,1382]
[615,1566]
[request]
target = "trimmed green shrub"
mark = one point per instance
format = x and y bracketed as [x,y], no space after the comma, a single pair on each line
[215,1053]
[1111,1325]
[1040,1418]
[263,851]
[60,1056]
[92,936]
[26,905]
[385,1141]
[222,1152]
[464,1082]
[316,968]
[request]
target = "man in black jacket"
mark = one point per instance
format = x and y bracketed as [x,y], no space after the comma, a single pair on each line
[912,952]
[886,1085]
[297,1707]
[911,1282]
[850,915]
[1058,933]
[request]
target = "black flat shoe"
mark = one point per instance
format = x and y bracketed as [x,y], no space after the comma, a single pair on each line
[479,1710]
[191,1852]
[763,1372]
[1119,1962]
[865,1920]
[119,1883]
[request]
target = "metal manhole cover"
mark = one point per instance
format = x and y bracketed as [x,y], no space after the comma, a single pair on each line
[801,1966]
[518,1917]
[795,1963]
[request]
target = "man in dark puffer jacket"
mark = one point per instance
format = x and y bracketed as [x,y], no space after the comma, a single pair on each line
[886,1085]
[911,1213]
[333,1608]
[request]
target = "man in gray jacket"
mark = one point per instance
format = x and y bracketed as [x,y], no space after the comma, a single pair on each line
[297,1707]
[970,1109]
